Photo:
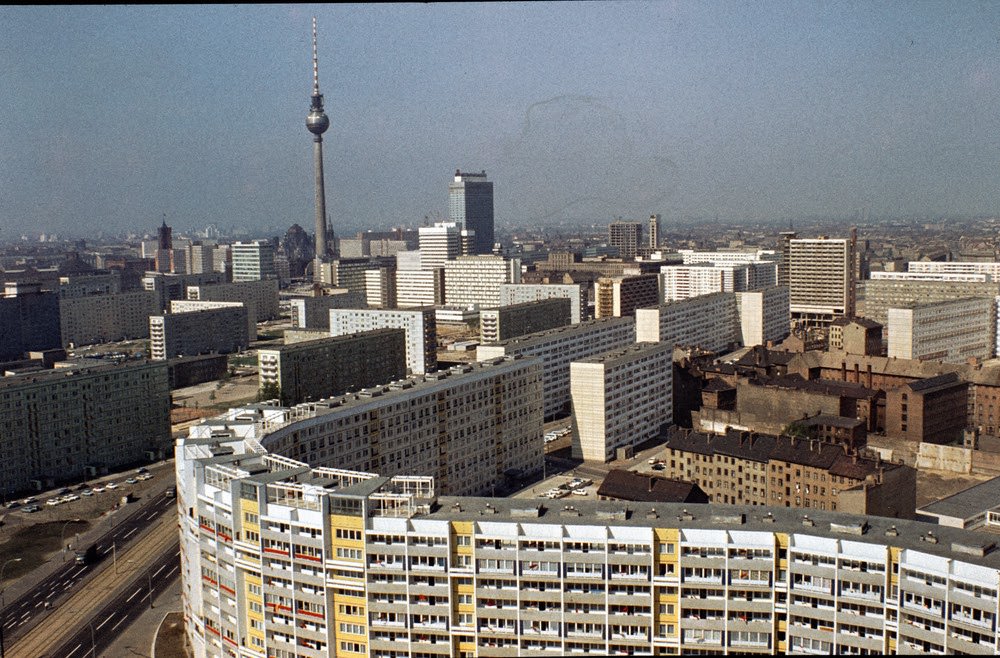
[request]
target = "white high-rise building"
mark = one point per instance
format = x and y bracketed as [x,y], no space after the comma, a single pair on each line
[763,314]
[443,242]
[253,261]
[951,331]
[557,348]
[708,321]
[380,287]
[420,326]
[519,293]
[991,270]
[620,399]
[820,280]
[476,280]
[416,288]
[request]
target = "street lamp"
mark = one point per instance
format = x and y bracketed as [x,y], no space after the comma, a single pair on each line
[2,588]
[62,535]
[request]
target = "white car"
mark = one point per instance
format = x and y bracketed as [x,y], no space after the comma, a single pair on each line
[580,492]
[53,502]
[111,485]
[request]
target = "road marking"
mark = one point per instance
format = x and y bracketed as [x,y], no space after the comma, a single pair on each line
[128,533]
[98,627]
[74,650]
[79,571]
[108,550]
[176,568]
[133,595]
[118,624]
[51,594]
[152,514]
[26,614]
[162,567]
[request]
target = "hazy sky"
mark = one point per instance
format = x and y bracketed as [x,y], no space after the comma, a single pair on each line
[112,116]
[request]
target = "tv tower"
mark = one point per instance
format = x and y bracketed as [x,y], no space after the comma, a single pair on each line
[317,123]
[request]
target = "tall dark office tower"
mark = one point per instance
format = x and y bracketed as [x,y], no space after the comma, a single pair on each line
[29,320]
[470,205]
[164,248]
[317,123]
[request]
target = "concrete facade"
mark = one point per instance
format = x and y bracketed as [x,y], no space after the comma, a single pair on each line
[73,422]
[620,399]
[385,566]
[332,366]
[496,324]
[764,316]
[621,296]
[518,293]
[476,280]
[221,327]
[708,321]
[558,348]
[951,331]
[419,323]
[260,297]
[90,319]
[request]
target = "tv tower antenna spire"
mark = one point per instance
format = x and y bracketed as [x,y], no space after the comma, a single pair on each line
[317,123]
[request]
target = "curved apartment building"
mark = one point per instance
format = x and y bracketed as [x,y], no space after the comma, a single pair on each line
[280,559]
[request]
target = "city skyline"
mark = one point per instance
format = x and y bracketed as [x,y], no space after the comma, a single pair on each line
[594,110]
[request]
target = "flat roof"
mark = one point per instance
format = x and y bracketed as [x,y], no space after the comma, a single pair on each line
[967,503]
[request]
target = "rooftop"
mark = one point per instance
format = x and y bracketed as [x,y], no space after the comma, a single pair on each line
[967,503]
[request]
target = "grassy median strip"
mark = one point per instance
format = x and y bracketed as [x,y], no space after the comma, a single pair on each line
[33,543]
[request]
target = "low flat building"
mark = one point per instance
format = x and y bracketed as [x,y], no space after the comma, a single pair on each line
[331,366]
[975,508]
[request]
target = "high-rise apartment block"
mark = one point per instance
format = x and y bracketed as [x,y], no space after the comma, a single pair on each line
[282,558]
[443,242]
[952,331]
[314,312]
[763,315]
[518,293]
[709,321]
[330,366]
[380,287]
[476,280]
[496,324]
[70,423]
[416,288]
[29,320]
[419,323]
[626,237]
[620,296]
[220,327]
[253,261]
[102,318]
[820,280]
[260,297]
[558,348]
[883,293]
[470,206]
[621,399]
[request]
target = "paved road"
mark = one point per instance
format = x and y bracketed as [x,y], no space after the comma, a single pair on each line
[100,629]
[23,613]
[154,552]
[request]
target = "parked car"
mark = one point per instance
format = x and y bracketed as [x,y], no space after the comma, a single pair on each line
[111,485]
[131,481]
[52,502]
[87,492]
[31,509]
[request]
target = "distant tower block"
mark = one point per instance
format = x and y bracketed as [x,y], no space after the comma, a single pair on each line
[317,123]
